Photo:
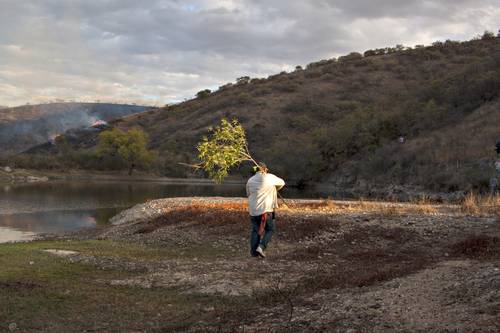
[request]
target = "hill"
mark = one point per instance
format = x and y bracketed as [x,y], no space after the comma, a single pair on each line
[425,117]
[26,126]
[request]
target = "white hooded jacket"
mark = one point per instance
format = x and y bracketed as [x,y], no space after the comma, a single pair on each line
[262,192]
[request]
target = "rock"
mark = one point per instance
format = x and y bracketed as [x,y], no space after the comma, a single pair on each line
[33,179]
[61,253]
[12,327]
[7,169]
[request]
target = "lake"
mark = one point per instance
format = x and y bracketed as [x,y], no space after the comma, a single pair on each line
[30,209]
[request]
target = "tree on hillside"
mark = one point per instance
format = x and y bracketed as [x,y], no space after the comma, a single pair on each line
[243,80]
[203,93]
[130,147]
[488,35]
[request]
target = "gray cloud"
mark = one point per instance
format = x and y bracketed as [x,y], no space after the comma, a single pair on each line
[159,51]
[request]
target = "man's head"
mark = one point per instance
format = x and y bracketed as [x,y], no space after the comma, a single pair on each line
[263,167]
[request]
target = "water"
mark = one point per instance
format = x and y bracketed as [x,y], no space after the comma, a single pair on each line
[27,210]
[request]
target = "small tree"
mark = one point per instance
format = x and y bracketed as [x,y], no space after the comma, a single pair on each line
[129,146]
[226,147]
[488,35]
[243,80]
[203,93]
[369,53]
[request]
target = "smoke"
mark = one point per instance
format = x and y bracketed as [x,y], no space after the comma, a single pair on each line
[55,119]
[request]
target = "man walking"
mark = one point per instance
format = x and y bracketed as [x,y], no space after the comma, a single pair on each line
[262,191]
[493,186]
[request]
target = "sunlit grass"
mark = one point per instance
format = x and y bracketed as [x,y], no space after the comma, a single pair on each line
[474,204]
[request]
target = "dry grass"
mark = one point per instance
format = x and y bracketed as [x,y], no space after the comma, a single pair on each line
[382,208]
[229,216]
[477,205]
[217,215]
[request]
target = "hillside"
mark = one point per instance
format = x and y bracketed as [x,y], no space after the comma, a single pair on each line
[340,120]
[26,126]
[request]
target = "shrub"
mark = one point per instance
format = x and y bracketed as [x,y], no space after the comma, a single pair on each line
[369,53]
[319,63]
[243,80]
[203,93]
[488,35]
[128,147]
[244,98]
[287,87]
[350,57]
[301,122]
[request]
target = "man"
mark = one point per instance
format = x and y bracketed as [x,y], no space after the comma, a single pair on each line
[493,186]
[262,192]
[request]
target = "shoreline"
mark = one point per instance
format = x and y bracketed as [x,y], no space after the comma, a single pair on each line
[387,192]
[21,176]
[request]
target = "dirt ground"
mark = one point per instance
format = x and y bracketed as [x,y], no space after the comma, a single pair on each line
[334,266]
[331,266]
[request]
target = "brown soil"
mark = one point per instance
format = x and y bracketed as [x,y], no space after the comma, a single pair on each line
[331,266]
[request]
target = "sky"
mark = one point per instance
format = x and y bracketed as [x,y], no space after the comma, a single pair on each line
[157,52]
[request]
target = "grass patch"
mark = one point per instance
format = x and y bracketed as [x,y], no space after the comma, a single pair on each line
[41,292]
[132,251]
[474,204]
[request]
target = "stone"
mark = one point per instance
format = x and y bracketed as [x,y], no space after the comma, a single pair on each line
[33,179]
[61,253]
[12,327]
[7,169]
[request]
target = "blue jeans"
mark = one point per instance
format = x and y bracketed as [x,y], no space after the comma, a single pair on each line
[255,239]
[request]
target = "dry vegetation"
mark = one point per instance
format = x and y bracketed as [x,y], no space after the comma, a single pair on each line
[474,204]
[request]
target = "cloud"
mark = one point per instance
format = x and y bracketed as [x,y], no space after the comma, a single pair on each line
[161,51]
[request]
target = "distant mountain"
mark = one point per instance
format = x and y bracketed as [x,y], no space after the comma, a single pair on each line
[425,117]
[27,126]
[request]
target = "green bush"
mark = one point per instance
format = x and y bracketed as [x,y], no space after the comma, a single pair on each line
[203,93]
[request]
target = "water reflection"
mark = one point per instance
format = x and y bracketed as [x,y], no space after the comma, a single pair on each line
[24,226]
[28,198]
[59,207]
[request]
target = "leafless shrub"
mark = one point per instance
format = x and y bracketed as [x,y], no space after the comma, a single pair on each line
[477,246]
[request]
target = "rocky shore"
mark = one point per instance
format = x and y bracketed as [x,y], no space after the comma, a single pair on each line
[9,175]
